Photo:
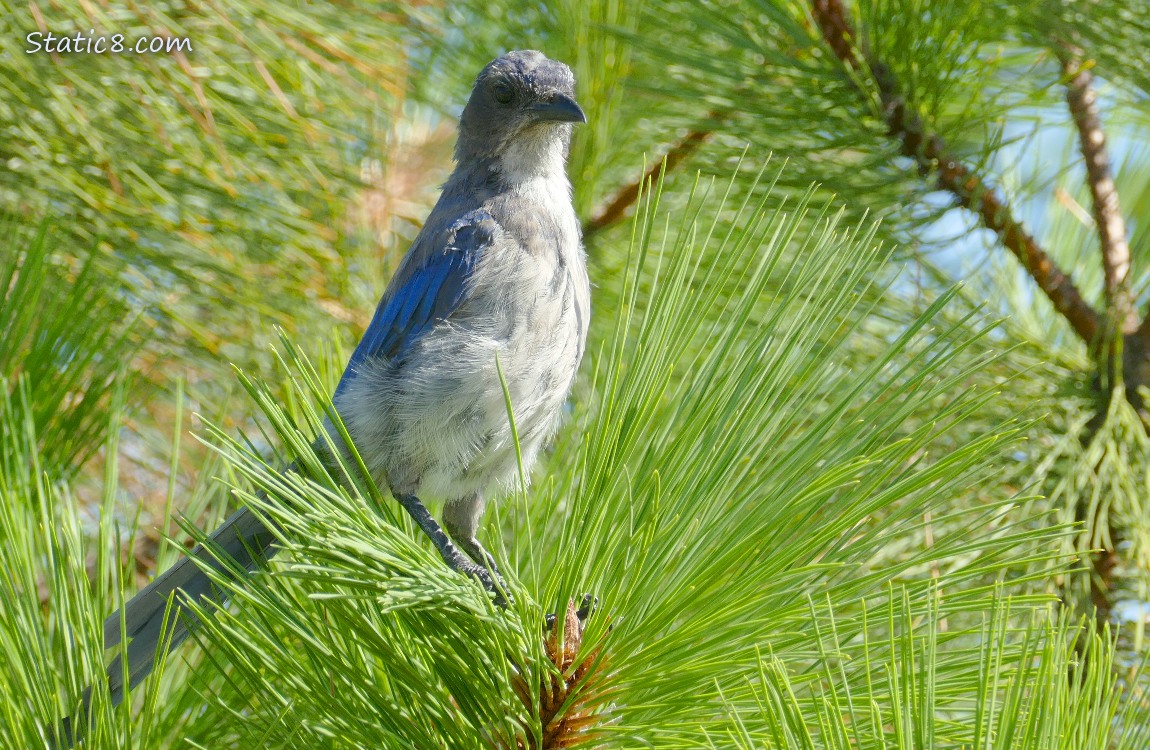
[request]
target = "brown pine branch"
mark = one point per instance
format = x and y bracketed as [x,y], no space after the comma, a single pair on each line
[831,17]
[618,205]
[972,191]
[1081,98]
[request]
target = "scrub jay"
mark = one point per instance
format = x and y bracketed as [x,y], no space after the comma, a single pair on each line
[498,271]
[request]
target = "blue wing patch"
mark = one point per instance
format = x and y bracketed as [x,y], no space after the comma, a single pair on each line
[430,294]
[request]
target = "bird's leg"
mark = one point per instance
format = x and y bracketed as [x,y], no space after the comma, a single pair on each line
[455,559]
[461,517]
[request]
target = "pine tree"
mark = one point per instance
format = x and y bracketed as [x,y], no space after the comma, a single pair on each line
[823,495]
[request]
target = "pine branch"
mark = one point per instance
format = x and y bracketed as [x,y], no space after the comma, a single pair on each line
[970,189]
[1081,98]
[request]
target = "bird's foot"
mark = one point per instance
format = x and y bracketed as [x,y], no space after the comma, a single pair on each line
[491,579]
[489,576]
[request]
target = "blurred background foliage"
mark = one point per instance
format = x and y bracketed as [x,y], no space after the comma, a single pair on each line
[791,416]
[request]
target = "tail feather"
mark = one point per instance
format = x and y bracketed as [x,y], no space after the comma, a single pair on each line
[243,538]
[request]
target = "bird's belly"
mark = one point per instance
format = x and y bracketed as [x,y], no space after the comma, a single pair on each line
[435,422]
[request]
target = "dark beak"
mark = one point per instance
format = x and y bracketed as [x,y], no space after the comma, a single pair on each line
[561,108]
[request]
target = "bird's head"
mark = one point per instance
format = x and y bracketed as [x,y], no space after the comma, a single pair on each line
[520,115]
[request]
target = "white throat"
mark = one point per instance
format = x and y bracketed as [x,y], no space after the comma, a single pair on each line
[533,155]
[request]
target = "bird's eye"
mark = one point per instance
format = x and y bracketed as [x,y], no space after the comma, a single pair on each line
[502,93]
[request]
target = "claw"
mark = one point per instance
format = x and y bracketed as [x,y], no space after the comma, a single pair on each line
[587,608]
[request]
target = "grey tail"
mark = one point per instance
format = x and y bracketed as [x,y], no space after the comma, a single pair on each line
[243,538]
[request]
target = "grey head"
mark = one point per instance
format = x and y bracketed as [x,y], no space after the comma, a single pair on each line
[520,113]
